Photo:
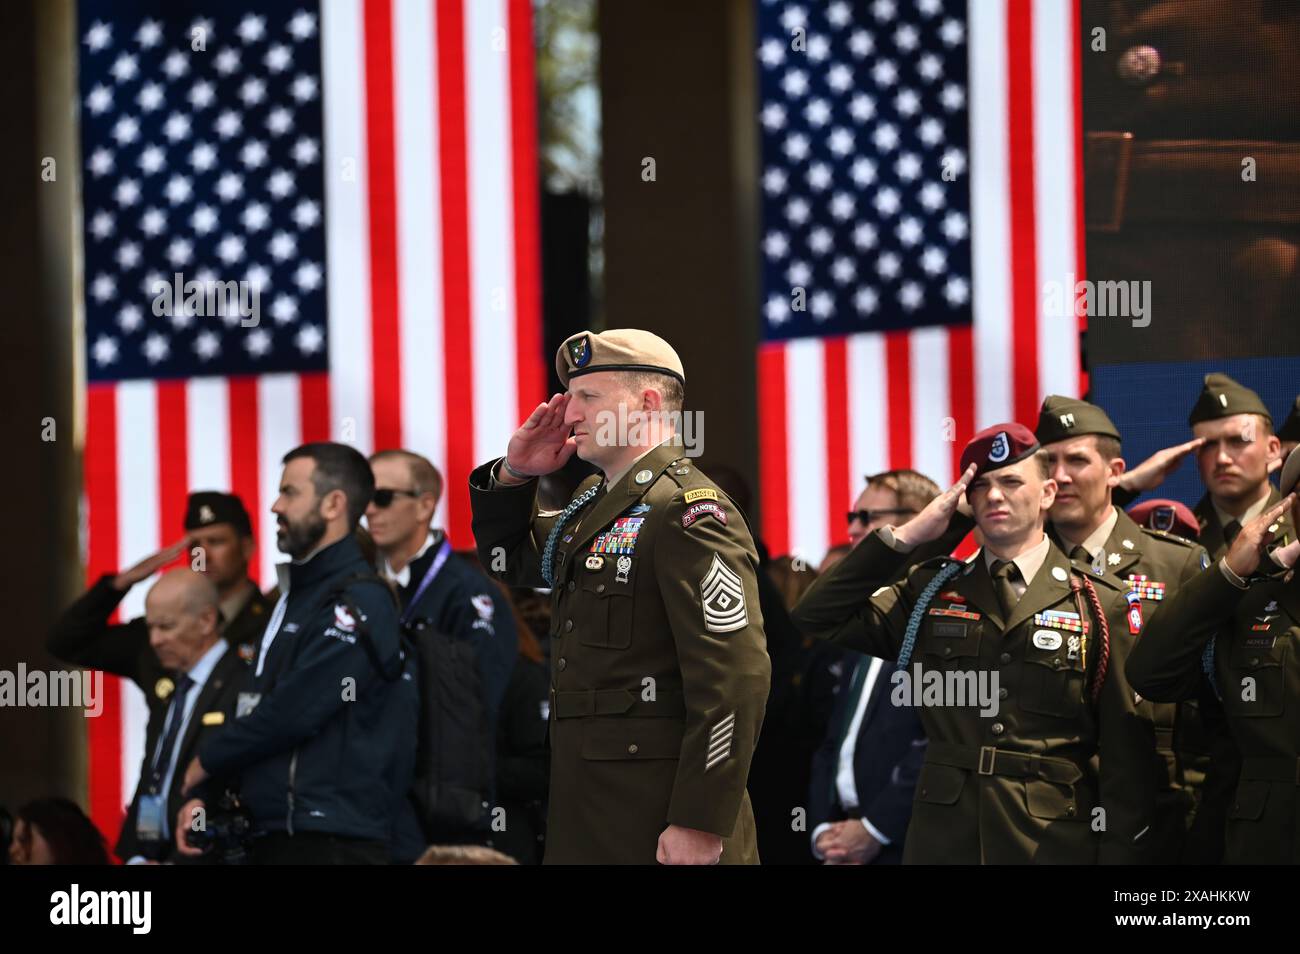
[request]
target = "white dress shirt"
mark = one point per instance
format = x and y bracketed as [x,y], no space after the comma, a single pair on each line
[845,781]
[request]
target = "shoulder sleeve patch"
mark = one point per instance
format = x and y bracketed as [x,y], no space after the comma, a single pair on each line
[697,510]
[700,493]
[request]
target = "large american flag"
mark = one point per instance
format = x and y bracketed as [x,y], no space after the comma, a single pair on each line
[922,319]
[370,167]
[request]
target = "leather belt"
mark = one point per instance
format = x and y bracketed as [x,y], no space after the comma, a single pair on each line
[575,704]
[990,760]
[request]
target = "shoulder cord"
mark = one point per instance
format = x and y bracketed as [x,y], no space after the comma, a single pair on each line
[1079,587]
[918,611]
[548,551]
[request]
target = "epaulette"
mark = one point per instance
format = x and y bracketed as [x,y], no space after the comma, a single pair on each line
[1169,537]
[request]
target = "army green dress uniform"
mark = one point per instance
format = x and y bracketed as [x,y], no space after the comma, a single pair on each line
[1152,564]
[1206,749]
[1020,786]
[1247,634]
[659,667]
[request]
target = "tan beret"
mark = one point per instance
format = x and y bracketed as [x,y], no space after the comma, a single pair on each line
[619,349]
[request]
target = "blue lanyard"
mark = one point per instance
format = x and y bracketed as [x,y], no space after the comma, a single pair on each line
[439,559]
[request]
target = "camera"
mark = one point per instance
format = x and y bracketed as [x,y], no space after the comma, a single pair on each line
[227,831]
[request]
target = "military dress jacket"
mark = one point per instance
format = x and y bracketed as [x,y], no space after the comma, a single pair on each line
[659,667]
[1153,564]
[1024,784]
[1207,752]
[1256,667]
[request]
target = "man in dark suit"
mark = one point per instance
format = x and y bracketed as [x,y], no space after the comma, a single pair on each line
[864,774]
[219,543]
[190,677]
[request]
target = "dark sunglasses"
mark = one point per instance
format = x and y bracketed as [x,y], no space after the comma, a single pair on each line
[384,496]
[866,516]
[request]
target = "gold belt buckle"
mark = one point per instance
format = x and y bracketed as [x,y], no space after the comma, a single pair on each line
[1114,150]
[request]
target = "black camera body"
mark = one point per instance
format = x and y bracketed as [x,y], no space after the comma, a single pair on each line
[227,832]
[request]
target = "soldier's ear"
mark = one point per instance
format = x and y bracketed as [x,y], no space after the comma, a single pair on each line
[1049,493]
[1116,468]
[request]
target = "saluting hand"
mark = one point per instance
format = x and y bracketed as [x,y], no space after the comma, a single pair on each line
[542,444]
[1153,471]
[932,522]
[1247,550]
[149,565]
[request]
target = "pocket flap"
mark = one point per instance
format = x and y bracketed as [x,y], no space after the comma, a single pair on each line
[1252,795]
[632,738]
[1051,800]
[940,784]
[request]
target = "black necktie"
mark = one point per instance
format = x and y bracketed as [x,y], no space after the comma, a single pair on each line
[1004,572]
[175,715]
[1080,554]
[1231,530]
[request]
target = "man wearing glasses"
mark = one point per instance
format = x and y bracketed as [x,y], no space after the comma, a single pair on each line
[892,497]
[444,598]
[864,773]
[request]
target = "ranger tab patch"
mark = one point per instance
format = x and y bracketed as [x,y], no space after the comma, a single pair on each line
[696,511]
[700,493]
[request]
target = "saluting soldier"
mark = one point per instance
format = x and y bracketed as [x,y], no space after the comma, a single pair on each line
[1236,449]
[1239,622]
[1049,764]
[1084,447]
[660,671]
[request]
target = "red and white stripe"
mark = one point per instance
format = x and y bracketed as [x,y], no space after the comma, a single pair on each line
[433,272]
[835,410]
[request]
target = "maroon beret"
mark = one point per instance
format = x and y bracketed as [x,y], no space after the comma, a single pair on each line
[998,446]
[1167,515]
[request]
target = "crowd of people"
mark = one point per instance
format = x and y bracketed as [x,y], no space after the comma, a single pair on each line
[389,701]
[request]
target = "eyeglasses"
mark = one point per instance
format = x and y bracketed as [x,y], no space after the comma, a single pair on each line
[867,516]
[384,495]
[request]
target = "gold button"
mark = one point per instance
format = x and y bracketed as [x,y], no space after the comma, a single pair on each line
[600,587]
[632,749]
[562,664]
[568,625]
